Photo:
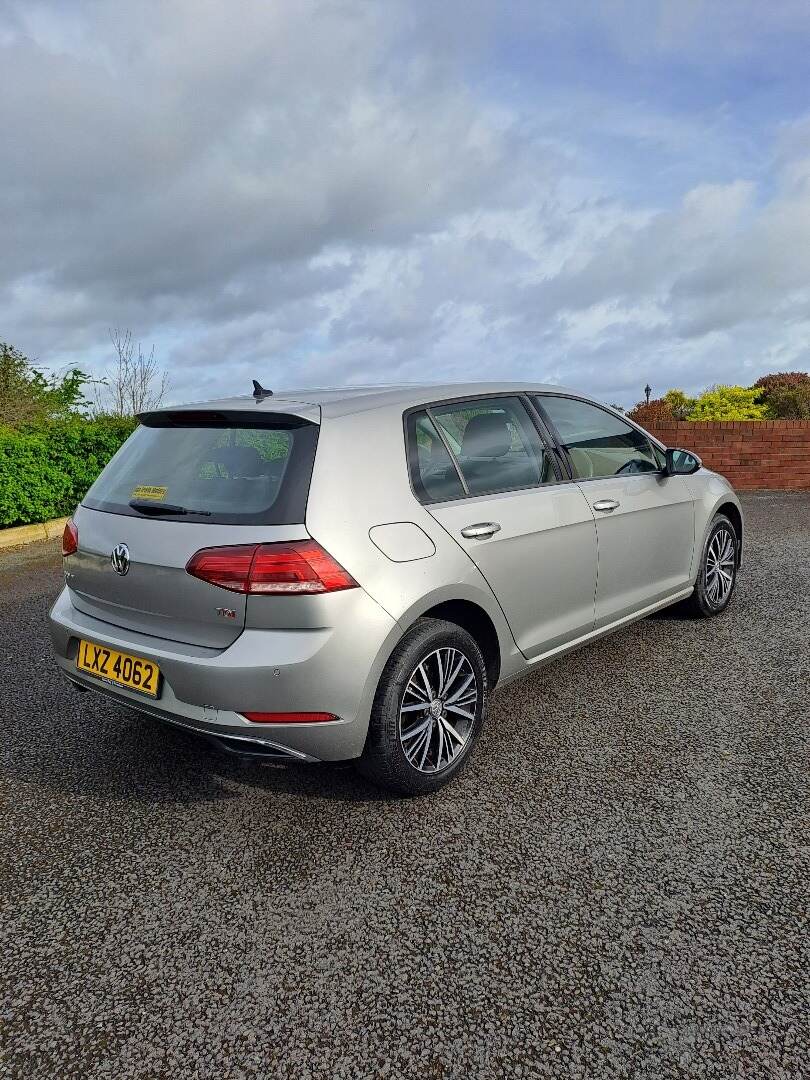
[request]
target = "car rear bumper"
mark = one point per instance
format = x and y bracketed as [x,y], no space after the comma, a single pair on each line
[331,669]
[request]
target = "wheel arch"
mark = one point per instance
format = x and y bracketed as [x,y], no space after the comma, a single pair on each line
[480,616]
[472,618]
[733,513]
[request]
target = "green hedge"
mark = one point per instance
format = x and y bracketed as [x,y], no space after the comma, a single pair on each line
[46,471]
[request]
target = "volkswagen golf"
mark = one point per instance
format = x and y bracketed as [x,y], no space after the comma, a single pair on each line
[348,574]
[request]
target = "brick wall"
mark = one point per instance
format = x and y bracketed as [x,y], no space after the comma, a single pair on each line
[750,453]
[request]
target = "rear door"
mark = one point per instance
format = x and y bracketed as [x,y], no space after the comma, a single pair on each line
[645,521]
[485,473]
[182,482]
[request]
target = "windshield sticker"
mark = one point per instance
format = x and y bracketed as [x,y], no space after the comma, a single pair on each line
[148,491]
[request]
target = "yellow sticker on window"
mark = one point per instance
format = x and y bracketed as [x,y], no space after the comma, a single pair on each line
[148,491]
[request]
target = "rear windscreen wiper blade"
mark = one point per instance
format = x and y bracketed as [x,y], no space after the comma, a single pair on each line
[147,506]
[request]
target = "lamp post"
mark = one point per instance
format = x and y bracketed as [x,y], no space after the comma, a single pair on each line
[647,392]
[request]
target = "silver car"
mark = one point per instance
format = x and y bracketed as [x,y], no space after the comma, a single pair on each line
[348,574]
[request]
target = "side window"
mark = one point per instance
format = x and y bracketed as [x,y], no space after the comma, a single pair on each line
[434,474]
[598,443]
[495,444]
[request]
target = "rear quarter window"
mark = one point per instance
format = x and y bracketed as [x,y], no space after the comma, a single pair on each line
[219,471]
[433,472]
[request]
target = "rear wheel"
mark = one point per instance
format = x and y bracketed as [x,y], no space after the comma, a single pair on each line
[717,575]
[428,710]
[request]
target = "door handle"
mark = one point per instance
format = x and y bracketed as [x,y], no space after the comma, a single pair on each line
[606,506]
[481,530]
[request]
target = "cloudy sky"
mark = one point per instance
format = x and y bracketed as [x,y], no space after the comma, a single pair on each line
[323,192]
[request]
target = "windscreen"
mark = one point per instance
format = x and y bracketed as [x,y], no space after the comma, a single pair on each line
[217,471]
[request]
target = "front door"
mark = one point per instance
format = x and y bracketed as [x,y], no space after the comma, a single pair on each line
[498,496]
[645,520]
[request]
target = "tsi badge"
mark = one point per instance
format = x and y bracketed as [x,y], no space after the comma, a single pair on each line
[226,613]
[120,559]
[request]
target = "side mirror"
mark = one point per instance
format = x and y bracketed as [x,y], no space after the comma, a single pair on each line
[682,463]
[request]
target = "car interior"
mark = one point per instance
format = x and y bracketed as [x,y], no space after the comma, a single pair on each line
[491,450]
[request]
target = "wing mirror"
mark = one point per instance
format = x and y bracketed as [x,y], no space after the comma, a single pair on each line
[681,462]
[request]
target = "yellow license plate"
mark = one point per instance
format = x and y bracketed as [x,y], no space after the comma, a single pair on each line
[116,667]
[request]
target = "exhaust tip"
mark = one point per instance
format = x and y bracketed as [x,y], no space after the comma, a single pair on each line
[247,748]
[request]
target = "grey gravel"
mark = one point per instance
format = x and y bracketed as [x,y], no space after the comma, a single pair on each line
[616,887]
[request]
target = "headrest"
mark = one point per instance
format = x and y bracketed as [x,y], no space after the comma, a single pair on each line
[486,436]
[239,460]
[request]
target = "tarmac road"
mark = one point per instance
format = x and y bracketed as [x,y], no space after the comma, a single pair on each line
[616,887]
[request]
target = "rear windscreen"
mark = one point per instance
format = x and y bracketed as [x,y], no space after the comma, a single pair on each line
[222,472]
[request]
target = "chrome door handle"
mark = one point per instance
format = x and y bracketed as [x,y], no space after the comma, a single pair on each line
[481,530]
[606,506]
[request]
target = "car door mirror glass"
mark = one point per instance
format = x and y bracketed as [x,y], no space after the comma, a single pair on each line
[682,462]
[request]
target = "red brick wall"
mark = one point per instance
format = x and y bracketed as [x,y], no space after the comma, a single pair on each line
[749,453]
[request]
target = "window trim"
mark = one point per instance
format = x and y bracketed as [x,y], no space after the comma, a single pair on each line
[412,458]
[565,472]
[535,419]
[437,427]
[538,395]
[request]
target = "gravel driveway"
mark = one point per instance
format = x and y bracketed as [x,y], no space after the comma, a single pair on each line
[616,887]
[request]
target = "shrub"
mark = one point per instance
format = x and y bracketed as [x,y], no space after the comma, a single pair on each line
[729,403]
[674,405]
[789,403]
[652,413]
[29,397]
[782,396]
[46,470]
[680,404]
[786,394]
[781,379]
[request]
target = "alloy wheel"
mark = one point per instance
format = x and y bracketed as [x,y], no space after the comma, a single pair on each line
[438,710]
[721,558]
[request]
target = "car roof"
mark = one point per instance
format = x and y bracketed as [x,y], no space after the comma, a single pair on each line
[341,401]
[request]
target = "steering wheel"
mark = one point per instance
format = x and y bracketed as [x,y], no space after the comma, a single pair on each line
[634,465]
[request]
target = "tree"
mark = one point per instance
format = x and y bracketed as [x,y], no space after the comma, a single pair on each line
[652,413]
[135,384]
[680,404]
[790,402]
[729,403]
[786,394]
[674,405]
[27,396]
[780,379]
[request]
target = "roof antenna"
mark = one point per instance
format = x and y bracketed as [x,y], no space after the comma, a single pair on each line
[259,391]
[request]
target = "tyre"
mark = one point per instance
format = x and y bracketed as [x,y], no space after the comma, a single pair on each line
[428,710]
[717,575]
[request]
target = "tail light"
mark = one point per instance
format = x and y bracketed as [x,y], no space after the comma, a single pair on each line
[289,717]
[300,566]
[70,539]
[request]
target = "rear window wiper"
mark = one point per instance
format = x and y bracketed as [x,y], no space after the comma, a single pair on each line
[147,506]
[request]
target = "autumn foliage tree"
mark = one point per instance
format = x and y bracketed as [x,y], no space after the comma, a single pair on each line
[786,394]
[652,413]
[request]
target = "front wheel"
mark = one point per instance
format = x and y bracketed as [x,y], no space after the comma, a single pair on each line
[717,575]
[428,710]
